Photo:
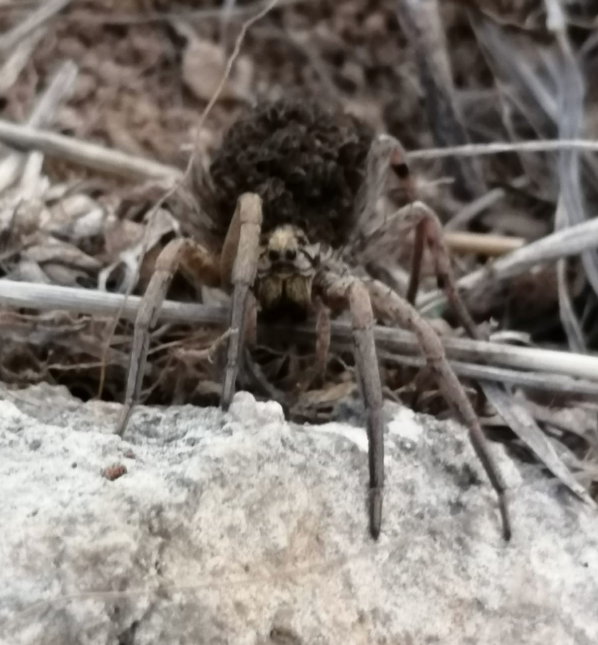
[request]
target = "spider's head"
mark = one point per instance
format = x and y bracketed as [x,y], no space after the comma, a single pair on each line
[286,268]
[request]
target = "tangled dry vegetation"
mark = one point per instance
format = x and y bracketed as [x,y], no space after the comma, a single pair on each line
[135,75]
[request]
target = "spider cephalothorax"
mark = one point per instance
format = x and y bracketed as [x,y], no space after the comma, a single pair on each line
[292,184]
[286,269]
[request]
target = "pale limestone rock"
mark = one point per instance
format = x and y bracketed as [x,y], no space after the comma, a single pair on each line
[240,528]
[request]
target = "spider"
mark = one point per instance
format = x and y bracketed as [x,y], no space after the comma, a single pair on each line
[301,183]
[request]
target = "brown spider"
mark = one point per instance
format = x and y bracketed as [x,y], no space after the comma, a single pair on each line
[308,181]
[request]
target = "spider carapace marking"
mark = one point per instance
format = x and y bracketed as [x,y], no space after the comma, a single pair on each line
[286,269]
[290,190]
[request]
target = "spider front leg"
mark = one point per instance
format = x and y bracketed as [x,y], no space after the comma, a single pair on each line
[238,267]
[201,268]
[349,292]
[389,305]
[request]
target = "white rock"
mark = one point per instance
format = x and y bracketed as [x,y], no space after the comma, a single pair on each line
[220,535]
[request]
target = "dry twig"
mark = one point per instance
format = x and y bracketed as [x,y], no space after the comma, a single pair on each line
[482,243]
[42,297]
[15,63]
[43,112]
[88,155]
[45,12]
[421,23]
[565,243]
[504,147]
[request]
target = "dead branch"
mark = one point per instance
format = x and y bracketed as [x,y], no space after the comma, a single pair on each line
[43,297]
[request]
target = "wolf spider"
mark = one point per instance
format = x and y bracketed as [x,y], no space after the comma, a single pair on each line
[307,182]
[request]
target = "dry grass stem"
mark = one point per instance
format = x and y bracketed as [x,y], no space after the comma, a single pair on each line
[128,166]
[520,419]
[16,62]
[47,10]
[502,147]
[43,113]
[88,155]
[422,25]
[191,15]
[470,211]
[539,381]
[41,297]
[565,243]
[482,243]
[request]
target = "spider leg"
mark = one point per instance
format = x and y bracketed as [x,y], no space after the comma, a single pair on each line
[388,304]
[385,152]
[200,267]
[318,370]
[429,231]
[349,292]
[251,321]
[238,267]
[322,338]
[416,261]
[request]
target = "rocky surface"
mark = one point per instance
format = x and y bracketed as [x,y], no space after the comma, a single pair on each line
[239,528]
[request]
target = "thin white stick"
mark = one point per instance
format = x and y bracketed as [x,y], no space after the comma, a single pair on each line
[90,155]
[500,147]
[15,63]
[482,243]
[563,243]
[46,10]
[50,297]
[132,167]
[43,112]
[245,27]
[564,385]
[189,16]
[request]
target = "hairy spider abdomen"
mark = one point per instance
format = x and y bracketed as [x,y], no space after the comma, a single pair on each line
[305,162]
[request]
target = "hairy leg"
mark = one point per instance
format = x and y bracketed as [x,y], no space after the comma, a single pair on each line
[380,235]
[428,232]
[390,305]
[322,339]
[238,267]
[385,153]
[349,292]
[317,371]
[200,267]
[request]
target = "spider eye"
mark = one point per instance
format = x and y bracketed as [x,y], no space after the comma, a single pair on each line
[273,255]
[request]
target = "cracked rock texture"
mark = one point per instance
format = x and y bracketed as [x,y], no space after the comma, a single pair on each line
[239,528]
